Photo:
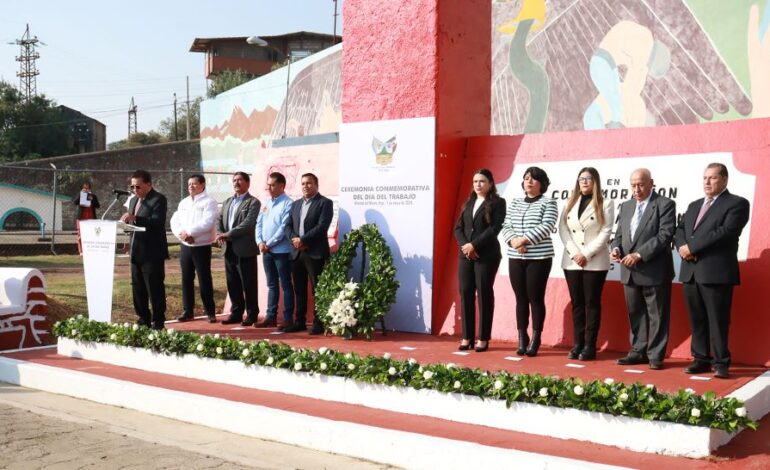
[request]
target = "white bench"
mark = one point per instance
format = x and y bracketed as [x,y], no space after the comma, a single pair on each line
[23,308]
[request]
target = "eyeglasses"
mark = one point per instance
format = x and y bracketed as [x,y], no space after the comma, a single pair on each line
[585,179]
[134,186]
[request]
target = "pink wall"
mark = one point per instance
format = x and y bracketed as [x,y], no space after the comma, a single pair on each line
[748,140]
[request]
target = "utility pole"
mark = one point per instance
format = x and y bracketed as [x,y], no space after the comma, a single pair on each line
[131,118]
[334,34]
[176,134]
[28,71]
[188,107]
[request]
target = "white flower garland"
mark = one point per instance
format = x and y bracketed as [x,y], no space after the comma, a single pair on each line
[343,310]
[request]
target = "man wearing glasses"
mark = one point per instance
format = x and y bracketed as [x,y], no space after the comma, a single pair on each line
[148,251]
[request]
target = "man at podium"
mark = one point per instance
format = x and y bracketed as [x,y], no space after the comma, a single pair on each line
[148,251]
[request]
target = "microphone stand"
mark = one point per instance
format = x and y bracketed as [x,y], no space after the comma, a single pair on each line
[117,198]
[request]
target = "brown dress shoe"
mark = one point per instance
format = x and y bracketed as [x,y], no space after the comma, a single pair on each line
[266,323]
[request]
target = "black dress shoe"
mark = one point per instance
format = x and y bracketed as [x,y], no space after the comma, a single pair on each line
[574,353]
[231,321]
[656,365]
[184,317]
[721,372]
[465,347]
[295,328]
[316,330]
[587,354]
[248,322]
[698,368]
[479,348]
[631,360]
[212,318]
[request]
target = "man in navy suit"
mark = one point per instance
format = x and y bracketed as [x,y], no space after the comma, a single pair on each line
[149,250]
[707,239]
[307,228]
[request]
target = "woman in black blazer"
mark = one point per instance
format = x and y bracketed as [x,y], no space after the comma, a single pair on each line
[481,219]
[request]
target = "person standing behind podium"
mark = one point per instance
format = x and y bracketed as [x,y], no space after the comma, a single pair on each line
[527,229]
[194,224]
[87,203]
[584,228]
[148,250]
[307,228]
[236,226]
[481,219]
[642,246]
[707,239]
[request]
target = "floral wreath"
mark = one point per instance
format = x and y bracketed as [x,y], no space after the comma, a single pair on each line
[346,308]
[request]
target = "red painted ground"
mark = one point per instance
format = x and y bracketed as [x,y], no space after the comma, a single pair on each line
[749,450]
[440,349]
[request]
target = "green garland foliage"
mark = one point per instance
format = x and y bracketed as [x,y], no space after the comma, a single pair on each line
[374,296]
[607,396]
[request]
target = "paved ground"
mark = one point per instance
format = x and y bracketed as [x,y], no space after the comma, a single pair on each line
[42,430]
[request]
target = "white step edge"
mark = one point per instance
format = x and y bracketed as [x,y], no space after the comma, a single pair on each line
[564,423]
[399,448]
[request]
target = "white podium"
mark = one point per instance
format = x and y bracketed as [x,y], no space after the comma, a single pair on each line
[98,241]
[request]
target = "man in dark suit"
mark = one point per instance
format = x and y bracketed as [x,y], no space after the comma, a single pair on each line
[307,229]
[149,250]
[642,246]
[236,230]
[707,239]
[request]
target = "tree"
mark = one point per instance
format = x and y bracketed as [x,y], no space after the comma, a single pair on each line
[32,128]
[166,128]
[227,80]
[137,140]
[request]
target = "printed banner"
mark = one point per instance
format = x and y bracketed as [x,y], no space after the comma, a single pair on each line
[98,239]
[387,173]
[678,177]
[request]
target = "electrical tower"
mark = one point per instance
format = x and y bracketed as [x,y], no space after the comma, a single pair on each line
[131,118]
[28,71]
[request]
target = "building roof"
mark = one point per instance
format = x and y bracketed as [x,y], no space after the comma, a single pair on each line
[203,44]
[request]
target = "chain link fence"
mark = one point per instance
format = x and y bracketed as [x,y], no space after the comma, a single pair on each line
[39,206]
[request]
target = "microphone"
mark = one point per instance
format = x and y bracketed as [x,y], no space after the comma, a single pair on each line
[120,192]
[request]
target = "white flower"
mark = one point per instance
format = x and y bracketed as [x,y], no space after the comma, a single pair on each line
[74,332]
[427,375]
[348,356]
[525,390]
[150,337]
[126,325]
[392,371]
[412,361]
[740,412]
[323,366]
[216,335]
[485,374]
[297,366]
[695,413]
[80,316]
[171,331]
[219,350]
[624,396]
[689,390]
[113,337]
[543,392]
[386,356]
[650,386]
[420,369]
[323,350]
[498,385]
[135,327]
[351,366]
[199,347]
[457,384]
[270,361]
[609,381]
[451,365]
[578,390]
[650,400]
[245,352]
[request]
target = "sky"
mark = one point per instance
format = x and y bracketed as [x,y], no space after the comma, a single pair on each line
[98,54]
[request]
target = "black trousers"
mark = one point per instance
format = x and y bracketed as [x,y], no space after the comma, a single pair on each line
[305,268]
[649,314]
[585,291]
[196,259]
[528,279]
[147,287]
[477,276]
[241,275]
[709,311]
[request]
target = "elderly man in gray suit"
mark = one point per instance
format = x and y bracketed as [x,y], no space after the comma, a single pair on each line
[642,246]
[236,230]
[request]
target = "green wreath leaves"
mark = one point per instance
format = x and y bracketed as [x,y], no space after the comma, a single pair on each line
[372,298]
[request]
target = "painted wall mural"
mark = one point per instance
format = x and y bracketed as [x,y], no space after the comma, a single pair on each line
[565,65]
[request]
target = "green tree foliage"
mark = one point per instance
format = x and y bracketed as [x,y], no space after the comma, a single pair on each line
[227,80]
[30,129]
[166,128]
[138,140]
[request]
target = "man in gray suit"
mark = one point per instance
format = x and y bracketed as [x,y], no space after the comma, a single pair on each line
[236,230]
[642,246]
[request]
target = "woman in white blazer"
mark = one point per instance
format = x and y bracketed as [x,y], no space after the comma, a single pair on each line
[584,228]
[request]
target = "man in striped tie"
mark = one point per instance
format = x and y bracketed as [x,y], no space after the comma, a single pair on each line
[707,240]
[642,246]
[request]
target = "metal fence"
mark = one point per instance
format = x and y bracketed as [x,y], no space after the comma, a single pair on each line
[39,206]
